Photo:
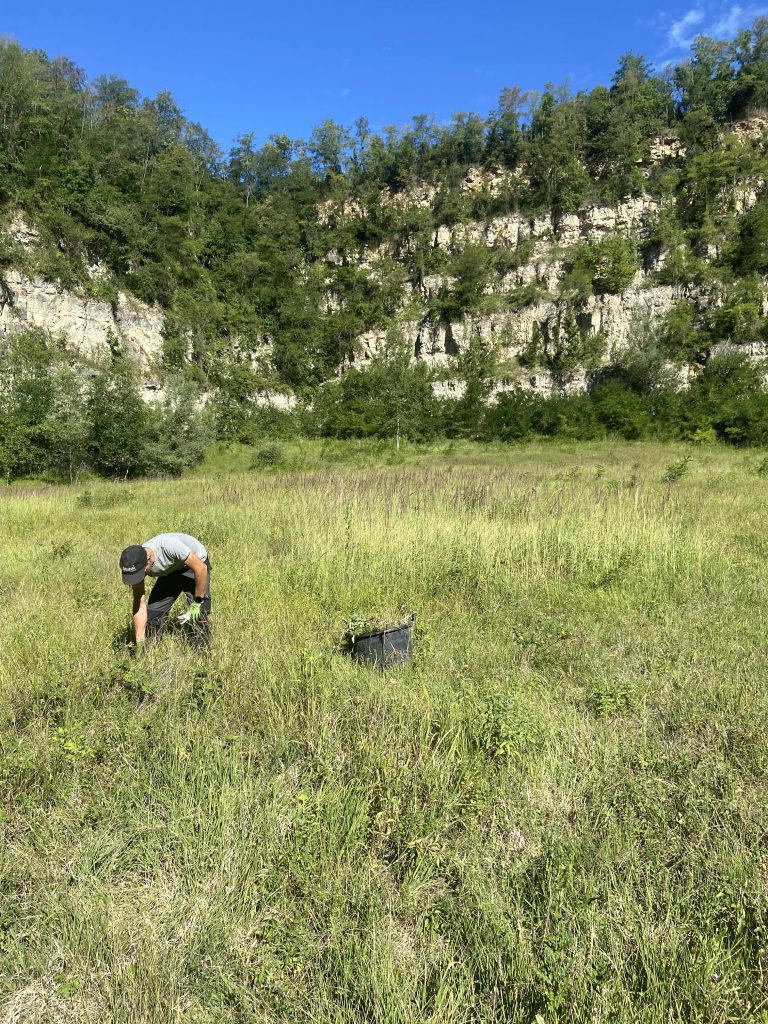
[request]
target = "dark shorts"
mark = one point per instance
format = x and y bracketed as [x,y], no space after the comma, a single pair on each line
[164,594]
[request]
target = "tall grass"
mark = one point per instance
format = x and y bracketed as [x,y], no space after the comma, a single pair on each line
[557,814]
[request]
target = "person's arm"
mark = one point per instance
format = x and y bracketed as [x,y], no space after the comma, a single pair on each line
[200,570]
[139,612]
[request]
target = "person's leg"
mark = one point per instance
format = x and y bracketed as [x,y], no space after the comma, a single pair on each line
[201,631]
[164,593]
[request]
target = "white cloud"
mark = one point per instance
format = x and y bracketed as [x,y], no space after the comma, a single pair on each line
[717,20]
[732,20]
[681,32]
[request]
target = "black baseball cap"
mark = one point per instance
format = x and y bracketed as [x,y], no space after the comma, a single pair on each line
[133,564]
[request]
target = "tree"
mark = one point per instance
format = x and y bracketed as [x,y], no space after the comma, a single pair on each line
[66,427]
[27,392]
[615,264]
[476,367]
[738,318]
[620,410]
[705,83]
[622,122]
[113,96]
[177,432]
[681,338]
[171,187]
[748,254]
[243,165]
[607,267]
[504,137]
[571,347]
[330,148]
[390,397]
[118,421]
[235,387]
[750,56]
[555,150]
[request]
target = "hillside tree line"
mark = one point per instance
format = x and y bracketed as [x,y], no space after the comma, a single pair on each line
[231,245]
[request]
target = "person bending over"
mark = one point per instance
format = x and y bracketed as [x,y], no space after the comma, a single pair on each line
[180,563]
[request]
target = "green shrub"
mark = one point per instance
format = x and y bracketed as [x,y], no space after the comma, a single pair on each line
[738,318]
[511,418]
[621,411]
[680,338]
[389,398]
[571,347]
[269,455]
[676,470]
[606,267]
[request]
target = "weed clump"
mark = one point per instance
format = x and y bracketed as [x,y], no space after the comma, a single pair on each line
[106,497]
[676,470]
[360,624]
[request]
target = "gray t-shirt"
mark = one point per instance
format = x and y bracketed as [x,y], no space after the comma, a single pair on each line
[171,552]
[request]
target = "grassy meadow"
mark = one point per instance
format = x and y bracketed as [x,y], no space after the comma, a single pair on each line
[558,813]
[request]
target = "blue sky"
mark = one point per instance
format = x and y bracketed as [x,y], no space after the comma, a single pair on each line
[284,67]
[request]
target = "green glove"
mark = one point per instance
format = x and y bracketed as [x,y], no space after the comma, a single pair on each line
[195,612]
[140,649]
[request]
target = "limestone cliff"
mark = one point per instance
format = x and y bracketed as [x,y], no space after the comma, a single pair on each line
[532,300]
[88,326]
[527,303]
[614,317]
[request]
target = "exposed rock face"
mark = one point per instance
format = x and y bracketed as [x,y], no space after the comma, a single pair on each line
[663,149]
[615,317]
[279,400]
[533,301]
[591,223]
[529,302]
[447,390]
[89,326]
[752,129]
[22,232]
[93,328]
[753,349]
